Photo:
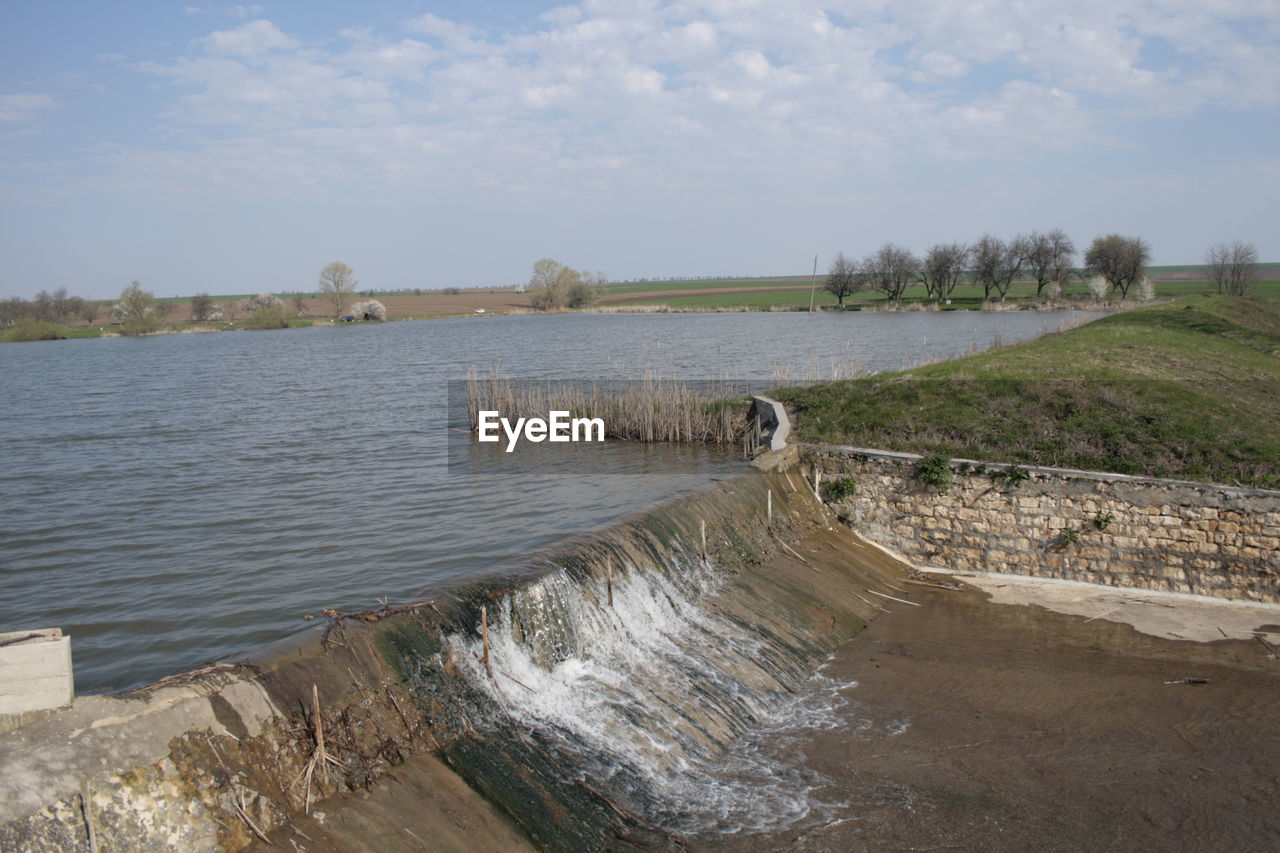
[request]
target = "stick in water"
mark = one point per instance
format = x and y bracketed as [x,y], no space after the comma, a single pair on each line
[484,638]
[891,598]
[769,505]
[608,579]
[703,526]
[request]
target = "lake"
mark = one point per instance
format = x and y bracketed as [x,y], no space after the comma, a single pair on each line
[175,499]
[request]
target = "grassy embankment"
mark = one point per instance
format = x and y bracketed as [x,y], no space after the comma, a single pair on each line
[1188,390]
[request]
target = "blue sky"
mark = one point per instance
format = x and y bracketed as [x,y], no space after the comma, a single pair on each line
[239,148]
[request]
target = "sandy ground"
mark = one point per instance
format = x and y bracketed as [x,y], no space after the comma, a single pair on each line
[980,725]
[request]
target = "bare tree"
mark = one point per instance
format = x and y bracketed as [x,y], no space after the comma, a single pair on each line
[88,311]
[12,310]
[997,263]
[1120,261]
[545,291]
[845,278]
[1049,258]
[337,284]
[890,269]
[942,267]
[201,307]
[1233,267]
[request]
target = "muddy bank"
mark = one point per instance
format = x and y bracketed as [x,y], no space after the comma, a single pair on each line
[981,726]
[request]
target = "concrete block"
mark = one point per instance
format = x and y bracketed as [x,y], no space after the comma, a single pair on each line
[35,671]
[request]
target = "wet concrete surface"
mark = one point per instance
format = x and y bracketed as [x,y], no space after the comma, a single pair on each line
[984,726]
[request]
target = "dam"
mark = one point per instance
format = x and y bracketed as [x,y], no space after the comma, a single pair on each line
[734,669]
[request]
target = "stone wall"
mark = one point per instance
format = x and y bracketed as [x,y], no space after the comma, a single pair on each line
[1061,523]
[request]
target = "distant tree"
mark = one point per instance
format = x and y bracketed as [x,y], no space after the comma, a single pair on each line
[1233,267]
[88,311]
[261,300]
[996,263]
[844,278]
[942,267]
[12,310]
[42,307]
[337,284]
[136,310]
[201,307]
[1049,258]
[1120,261]
[544,285]
[890,269]
[299,304]
[586,291]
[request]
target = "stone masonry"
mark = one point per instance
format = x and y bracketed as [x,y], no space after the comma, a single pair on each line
[1060,523]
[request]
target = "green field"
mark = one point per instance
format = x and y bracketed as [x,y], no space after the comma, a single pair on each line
[966,296]
[1188,389]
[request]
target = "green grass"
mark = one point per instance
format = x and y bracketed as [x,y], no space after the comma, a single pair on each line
[1186,390]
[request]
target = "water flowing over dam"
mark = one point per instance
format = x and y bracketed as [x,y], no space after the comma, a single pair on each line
[596,691]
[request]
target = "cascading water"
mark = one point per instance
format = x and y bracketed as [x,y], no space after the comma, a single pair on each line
[660,700]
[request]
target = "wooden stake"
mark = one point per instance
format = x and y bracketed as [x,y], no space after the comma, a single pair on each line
[703,526]
[817,481]
[813,285]
[608,579]
[318,723]
[769,505]
[484,637]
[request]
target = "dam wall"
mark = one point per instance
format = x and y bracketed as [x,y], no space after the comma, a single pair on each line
[574,699]
[1088,526]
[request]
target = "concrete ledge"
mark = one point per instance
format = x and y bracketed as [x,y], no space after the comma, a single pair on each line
[847,451]
[35,674]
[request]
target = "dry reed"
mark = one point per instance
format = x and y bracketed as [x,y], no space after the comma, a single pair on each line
[650,410]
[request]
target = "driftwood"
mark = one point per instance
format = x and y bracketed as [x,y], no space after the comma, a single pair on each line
[622,810]
[891,598]
[1188,680]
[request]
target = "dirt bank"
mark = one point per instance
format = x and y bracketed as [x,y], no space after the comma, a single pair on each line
[982,726]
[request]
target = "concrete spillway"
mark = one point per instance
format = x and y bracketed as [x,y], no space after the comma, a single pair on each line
[577,697]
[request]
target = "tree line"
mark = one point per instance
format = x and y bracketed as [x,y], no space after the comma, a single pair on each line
[554,285]
[1116,262]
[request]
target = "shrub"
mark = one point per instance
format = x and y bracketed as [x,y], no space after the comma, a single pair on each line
[841,488]
[934,471]
[35,330]
[1103,520]
[262,300]
[370,309]
[268,317]
[1099,287]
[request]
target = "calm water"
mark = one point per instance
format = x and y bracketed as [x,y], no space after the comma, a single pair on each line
[176,499]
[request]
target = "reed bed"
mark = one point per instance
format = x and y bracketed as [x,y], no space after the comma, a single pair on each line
[650,410]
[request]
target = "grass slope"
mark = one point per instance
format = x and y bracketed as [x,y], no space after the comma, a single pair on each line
[1189,390]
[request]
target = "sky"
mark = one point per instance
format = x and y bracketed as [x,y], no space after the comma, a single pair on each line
[207,147]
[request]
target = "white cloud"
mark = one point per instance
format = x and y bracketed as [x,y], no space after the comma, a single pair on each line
[24,109]
[251,39]
[704,91]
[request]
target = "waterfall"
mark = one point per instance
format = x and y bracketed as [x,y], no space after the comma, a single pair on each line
[662,699]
